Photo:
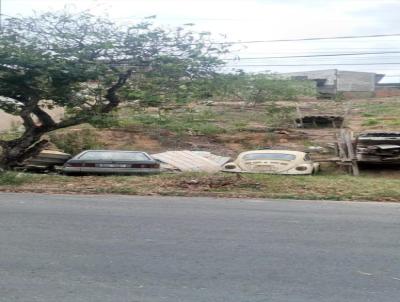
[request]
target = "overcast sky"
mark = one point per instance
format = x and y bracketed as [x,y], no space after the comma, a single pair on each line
[266,20]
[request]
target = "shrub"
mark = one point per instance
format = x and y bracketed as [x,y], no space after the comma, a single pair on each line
[75,142]
[105,121]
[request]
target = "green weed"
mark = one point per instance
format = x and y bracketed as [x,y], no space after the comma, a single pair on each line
[16,179]
[371,122]
[75,142]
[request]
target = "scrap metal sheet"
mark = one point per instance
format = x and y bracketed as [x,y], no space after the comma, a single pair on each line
[187,161]
[48,158]
[220,160]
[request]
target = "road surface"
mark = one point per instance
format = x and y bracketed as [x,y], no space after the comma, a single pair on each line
[60,248]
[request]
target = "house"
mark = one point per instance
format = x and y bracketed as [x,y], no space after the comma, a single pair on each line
[331,82]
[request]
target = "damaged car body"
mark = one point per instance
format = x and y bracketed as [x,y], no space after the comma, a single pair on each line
[378,147]
[111,162]
[273,162]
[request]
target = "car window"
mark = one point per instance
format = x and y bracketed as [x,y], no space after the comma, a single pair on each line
[115,156]
[269,156]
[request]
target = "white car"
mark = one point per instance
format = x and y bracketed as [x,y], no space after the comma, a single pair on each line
[273,162]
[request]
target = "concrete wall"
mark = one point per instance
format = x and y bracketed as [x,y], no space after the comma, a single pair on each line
[340,81]
[355,81]
[348,95]
[382,92]
[328,74]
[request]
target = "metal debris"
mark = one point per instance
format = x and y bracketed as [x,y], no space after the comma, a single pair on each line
[190,161]
[221,160]
[379,147]
[47,159]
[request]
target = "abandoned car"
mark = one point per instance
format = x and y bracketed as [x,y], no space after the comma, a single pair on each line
[273,162]
[111,162]
[378,147]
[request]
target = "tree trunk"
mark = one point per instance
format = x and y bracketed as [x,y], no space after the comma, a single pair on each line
[15,152]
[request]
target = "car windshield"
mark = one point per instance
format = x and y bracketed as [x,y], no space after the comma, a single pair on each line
[114,156]
[269,156]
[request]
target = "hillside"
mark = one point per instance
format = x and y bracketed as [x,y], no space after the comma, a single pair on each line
[227,128]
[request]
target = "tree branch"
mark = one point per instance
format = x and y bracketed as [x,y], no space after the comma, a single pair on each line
[111,95]
[68,123]
[44,117]
[25,114]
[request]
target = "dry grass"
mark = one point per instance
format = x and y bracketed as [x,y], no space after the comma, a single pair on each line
[376,114]
[327,187]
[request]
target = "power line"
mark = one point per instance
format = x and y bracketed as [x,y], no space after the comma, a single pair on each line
[284,52]
[279,65]
[314,56]
[319,64]
[320,50]
[158,18]
[309,39]
[287,40]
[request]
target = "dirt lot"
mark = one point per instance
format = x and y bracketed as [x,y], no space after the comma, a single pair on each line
[227,129]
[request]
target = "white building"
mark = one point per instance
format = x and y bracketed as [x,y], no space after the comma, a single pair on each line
[333,81]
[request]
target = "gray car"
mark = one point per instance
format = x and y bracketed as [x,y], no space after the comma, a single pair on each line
[111,162]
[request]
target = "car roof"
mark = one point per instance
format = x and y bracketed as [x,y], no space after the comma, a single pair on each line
[296,153]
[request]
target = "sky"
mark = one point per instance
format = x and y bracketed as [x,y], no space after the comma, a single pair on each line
[248,20]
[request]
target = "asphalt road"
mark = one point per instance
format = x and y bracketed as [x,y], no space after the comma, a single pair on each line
[62,248]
